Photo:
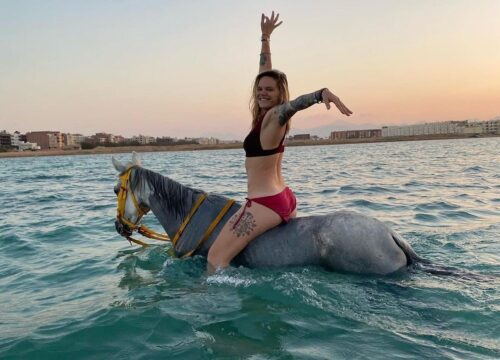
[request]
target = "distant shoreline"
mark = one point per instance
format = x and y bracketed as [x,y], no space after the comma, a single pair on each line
[197,147]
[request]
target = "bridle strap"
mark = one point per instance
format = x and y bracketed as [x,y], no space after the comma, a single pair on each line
[122,201]
[145,231]
[188,218]
[211,228]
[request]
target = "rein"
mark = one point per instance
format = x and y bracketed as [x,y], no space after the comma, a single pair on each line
[145,231]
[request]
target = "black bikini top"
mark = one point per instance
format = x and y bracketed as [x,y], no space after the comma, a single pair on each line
[252,144]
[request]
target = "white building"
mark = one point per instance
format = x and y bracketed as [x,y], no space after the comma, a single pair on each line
[143,139]
[444,127]
[207,141]
[15,139]
[27,146]
[54,141]
[73,139]
[78,138]
[490,126]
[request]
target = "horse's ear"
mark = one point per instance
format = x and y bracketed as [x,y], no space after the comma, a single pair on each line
[135,159]
[118,165]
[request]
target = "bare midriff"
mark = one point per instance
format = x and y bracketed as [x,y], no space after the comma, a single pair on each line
[264,175]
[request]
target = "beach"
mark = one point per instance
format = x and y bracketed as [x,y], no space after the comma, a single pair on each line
[235,145]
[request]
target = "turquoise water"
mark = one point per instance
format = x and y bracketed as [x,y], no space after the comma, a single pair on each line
[70,287]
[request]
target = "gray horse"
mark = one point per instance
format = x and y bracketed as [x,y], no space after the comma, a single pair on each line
[344,241]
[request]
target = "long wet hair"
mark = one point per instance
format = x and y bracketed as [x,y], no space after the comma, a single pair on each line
[282,84]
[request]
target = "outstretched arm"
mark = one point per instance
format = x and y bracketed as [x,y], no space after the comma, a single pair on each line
[285,111]
[267,25]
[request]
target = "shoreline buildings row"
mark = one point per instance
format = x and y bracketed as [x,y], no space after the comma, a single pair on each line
[463,127]
[46,140]
[49,140]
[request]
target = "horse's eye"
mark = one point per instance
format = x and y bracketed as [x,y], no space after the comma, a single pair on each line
[116,189]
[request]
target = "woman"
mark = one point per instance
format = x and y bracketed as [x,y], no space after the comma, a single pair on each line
[270,202]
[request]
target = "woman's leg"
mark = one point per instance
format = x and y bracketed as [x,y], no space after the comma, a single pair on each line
[239,231]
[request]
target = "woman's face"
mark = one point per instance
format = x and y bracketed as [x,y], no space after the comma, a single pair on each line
[267,93]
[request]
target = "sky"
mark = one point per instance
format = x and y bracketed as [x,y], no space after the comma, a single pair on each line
[185,68]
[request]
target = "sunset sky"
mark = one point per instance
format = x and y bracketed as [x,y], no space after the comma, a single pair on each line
[185,68]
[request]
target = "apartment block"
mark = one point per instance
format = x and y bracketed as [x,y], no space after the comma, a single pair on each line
[46,139]
[355,134]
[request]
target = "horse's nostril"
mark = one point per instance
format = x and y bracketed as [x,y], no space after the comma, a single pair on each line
[122,229]
[118,227]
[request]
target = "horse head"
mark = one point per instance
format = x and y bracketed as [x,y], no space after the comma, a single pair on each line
[130,208]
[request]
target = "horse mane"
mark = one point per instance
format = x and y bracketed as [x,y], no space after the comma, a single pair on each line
[175,196]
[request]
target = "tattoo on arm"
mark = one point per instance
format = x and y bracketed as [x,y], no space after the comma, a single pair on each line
[287,110]
[263,59]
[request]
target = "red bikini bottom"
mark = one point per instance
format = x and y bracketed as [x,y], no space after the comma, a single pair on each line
[283,204]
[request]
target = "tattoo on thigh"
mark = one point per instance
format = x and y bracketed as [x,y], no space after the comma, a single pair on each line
[244,226]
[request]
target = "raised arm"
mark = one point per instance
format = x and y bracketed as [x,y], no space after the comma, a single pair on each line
[285,111]
[267,25]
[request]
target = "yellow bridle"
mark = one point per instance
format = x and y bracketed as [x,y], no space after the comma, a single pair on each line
[143,230]
[120,212]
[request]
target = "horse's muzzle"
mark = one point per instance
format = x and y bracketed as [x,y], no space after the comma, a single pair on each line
[122,228]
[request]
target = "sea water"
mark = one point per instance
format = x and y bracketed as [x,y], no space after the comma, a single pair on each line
[72,288]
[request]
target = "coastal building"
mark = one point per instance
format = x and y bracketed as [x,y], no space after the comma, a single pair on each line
[79,138]
[301,137]
[46,139]
[69,139]
[102,138]
[444,127]
[355,134]
[15,139]
[490,126]
[143,139]
[22,146]
[208,141]
[5,139]
[165,140]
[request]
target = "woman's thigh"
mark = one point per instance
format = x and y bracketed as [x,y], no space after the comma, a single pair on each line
[240,230]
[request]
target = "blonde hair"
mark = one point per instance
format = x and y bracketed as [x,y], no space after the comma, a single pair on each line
[281,82]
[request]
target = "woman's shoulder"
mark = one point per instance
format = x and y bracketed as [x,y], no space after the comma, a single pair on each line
[271,122]
[272,115]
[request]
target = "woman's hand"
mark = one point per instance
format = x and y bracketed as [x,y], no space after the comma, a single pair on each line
[329,97]
[267,25]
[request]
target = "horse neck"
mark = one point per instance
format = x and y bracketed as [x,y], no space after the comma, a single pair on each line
[169,200]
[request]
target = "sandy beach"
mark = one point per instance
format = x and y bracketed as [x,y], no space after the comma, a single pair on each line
[197,147]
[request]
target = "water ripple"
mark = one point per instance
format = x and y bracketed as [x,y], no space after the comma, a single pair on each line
[75,289]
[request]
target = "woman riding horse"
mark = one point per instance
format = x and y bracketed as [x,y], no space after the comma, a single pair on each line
[269,201]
